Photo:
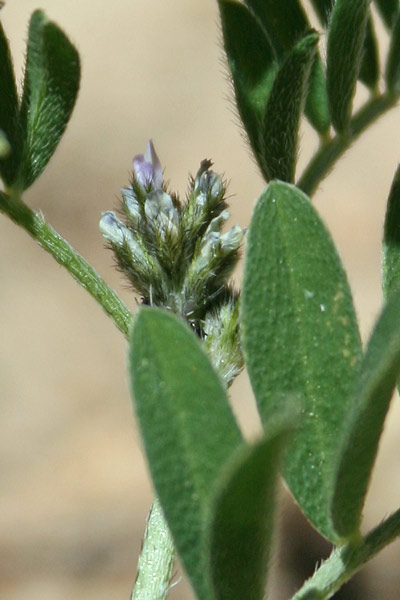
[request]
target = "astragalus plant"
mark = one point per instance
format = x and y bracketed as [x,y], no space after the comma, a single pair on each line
[322,397]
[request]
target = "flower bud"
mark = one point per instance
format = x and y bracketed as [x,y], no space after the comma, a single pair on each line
[131,205]
[112,229]
[231,240]
[147,168]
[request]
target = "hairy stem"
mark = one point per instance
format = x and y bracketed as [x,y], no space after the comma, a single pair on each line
[329,151]
[156,560]
[344,562]
[157,557]
[65,255]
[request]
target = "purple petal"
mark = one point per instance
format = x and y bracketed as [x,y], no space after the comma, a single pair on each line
[152,158]
[143,170]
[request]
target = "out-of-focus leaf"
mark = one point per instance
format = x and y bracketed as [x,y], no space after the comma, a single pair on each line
[8,109]
[252,64]
[300,336]
[323,8]
[188,429]
[5,147]
[346,36]
[243,515]
[285,23]
[51,85]
[388,11]
[391,239]
[392,74]
[280,125]
[369,71]
[358,446]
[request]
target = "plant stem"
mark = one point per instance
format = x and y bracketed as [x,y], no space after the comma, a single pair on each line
[329,151]
[66,256]
[157,557]
[347,560]
[156,560]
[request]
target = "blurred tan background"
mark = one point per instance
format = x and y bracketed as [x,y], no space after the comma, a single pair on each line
[74,486]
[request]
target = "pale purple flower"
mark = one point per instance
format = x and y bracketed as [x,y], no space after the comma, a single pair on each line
[147,168]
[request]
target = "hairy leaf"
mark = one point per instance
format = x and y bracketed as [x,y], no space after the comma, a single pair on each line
[243,515]
[358,446]
[280,127]
[188,430]
[344,56]
[286,23]
[51,85]
[391,239]
[369,71]
[8,109]
[252,64]
[300,336]
[392,74]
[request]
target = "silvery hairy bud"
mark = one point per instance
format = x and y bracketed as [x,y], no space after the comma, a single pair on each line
[174,254]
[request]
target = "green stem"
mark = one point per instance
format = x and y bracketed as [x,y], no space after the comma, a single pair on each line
[157,557]
[156,560]
[66,256]
[347,560]
[329,151]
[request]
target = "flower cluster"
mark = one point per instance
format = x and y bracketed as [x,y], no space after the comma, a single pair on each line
[174,253]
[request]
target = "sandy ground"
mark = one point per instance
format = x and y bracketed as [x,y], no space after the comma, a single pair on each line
[74,485]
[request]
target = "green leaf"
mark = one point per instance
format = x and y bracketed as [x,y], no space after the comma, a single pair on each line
[8,108]
[300,336]
[285,23]
[51,85]
[280,126]
[243,516]
[369,71]
[388,11]
[344,55]
[358,446]
[323,8]
[391,239]
[5,147]
[316,108]
[252,64]
[392,74]
[188,430]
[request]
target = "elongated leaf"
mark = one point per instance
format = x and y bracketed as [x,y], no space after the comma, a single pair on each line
[8,108]
[391,239]
[243,515]
[300,335]
[323,8]
[285,23]
[392,74]
[369,71]
[344,55]
[280,127]
[188,429]
[358,448]
[5,148]
[50,89]
[252,64]
[316,108]
[388,11]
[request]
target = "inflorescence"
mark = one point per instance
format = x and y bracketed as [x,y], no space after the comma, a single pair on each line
[175,255]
